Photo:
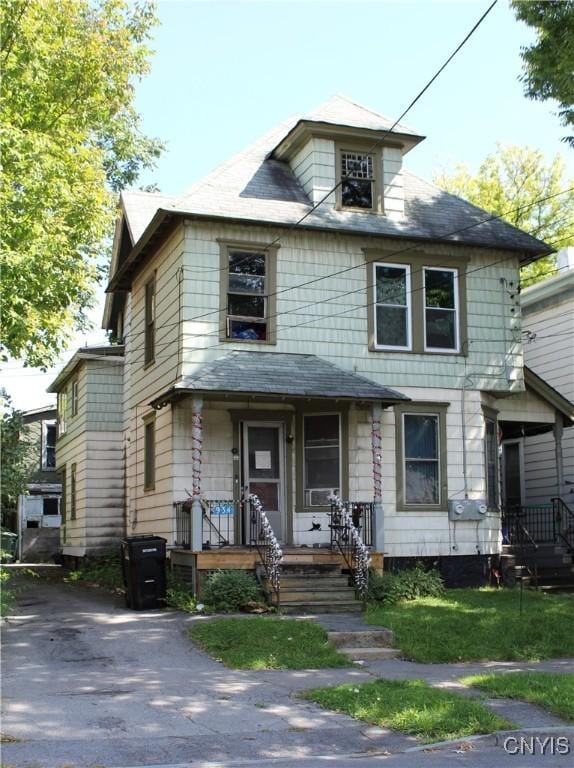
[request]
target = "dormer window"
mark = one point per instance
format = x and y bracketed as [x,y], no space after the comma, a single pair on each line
[359,178]
[357,187]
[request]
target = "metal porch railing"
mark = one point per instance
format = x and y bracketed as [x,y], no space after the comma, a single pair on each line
[218,523]
[262,537]
[564,522]
[348,520]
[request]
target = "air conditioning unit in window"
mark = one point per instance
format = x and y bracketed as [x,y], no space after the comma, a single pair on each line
[467,509]
[320,497]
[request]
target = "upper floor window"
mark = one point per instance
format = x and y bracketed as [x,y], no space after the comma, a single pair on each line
[49,432]
[441,309]
[358,179]
[74,397]
[415,307]
[392,306]
[62,412]
[149,322]
[248,288]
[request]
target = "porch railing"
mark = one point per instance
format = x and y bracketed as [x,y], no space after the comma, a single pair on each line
[218,523]
[348,519]
[564,522]
[262,537]
[523,525]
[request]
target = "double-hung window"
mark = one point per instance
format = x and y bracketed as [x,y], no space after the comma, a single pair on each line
[62,412]
[149,452]
[441,309]
[49,433]
[321,457]
[248,290]
[73,498]
[421,456]
[247,295]
[392,299]
[74,397]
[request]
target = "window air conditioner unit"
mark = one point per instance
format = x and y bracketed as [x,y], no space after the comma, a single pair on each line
[320,497]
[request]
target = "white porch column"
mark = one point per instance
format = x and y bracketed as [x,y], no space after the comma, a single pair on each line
[376,443]
[196,453]
[558,429]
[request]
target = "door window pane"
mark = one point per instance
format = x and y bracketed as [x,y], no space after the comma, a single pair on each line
[267,493]
[421,454]
[263,452]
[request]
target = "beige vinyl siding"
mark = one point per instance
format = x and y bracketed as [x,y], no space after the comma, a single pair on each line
[551,356]
[94,442]
[329,317]
[393,183]
[314,166]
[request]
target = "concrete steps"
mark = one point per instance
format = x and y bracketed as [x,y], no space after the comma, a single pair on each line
[365,645]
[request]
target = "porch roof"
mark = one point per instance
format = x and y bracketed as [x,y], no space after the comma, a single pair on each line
[278,374]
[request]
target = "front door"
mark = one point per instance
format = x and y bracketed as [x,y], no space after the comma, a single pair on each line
[263,470]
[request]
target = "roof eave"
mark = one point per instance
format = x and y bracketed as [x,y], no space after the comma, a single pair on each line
[544,390]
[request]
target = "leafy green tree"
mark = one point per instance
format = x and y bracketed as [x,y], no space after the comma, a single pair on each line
[18,454]
[508,184]
[549,63]
[70,138]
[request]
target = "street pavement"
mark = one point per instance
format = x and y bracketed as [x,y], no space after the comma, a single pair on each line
[87,683]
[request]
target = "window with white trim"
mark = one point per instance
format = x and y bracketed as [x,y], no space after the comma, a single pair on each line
[421,458]
[392,299]
[321,457]
[149,452]
[247,295]
[62,412]
[74,397]
[441,309]
[149,322]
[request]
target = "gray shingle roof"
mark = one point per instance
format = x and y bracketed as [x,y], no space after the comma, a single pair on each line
[340,110]
[140,208]
[275,373]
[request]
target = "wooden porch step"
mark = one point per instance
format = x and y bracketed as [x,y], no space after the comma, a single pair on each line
[300,580]
[310,595]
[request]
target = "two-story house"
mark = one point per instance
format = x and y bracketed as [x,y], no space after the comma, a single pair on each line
[312,320]
[90,452]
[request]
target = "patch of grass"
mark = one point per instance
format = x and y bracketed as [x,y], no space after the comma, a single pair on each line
[268,643]
[7,594]
[410,706]
[553,692]
[481,625]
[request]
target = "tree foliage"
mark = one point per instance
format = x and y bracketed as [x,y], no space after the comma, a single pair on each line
[549,63]
[70,137]
[18,453]
[508,184]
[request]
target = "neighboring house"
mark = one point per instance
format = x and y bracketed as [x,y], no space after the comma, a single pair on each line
[548,315]
[295,342]
[90,451]
[39,509]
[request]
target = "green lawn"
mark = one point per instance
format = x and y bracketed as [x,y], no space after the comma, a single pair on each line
[267,643]
[410,706]
[553,692]
[481,625]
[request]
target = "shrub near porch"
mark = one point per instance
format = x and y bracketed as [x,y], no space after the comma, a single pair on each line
[481,625]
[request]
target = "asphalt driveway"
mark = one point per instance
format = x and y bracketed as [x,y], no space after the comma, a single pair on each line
[87,683]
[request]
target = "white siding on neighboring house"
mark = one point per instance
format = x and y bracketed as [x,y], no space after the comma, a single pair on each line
[548,310]
[93,442]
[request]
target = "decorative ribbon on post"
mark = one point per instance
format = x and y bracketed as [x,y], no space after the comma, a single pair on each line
[376,443]
[266,540]
[196,444]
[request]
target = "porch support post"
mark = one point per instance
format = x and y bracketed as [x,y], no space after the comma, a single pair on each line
[558,429]
[196,452]
[376,442]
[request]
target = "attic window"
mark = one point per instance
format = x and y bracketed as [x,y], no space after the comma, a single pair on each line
[357,185]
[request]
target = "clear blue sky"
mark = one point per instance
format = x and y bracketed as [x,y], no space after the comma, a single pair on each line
[223,73]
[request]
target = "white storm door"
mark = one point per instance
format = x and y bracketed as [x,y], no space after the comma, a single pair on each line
[264,470]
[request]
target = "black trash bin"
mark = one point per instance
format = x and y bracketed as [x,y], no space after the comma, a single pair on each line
[143,568]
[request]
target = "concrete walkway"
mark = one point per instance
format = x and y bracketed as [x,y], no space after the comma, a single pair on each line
[87,682]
